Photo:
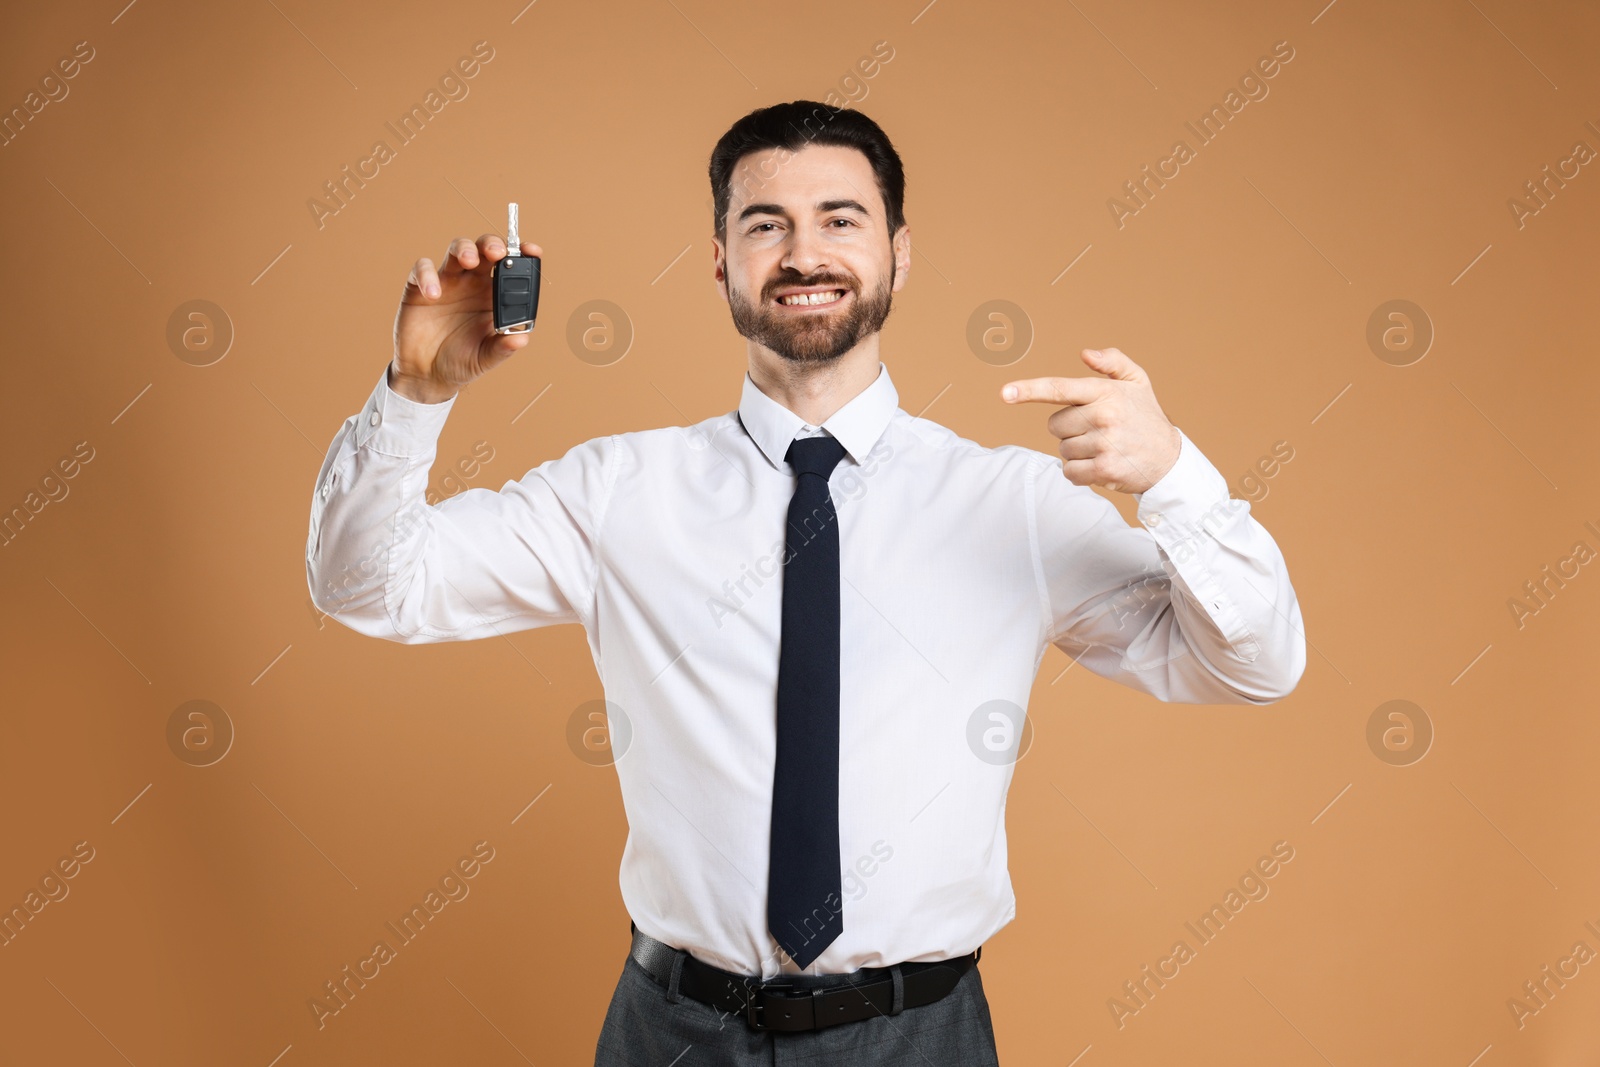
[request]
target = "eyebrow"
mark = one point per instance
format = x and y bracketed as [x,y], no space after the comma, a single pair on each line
[822,207]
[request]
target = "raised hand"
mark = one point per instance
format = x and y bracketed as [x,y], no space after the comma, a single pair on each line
[444,331]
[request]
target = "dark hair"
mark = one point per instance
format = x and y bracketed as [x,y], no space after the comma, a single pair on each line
[795,125]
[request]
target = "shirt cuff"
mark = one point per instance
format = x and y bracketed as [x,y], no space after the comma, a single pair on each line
[1183,496]
[399,426]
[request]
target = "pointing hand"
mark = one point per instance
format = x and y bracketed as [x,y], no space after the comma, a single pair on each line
[1113,432]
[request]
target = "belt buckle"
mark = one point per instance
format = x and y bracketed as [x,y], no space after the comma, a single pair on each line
[755,1008]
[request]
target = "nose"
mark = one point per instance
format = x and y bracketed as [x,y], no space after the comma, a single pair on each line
[805,252]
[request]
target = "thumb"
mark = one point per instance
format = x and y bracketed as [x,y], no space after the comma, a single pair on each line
[1114,363]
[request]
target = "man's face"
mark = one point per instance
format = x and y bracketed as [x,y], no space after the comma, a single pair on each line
[811,221]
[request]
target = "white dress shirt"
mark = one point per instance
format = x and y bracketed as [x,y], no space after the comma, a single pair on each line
[961,564]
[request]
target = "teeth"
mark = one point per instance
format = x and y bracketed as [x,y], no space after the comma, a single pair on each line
[812,298]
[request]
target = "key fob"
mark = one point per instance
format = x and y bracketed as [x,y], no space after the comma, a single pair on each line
[516,285]
[516,294]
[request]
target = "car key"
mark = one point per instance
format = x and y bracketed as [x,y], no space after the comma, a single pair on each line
[516,285]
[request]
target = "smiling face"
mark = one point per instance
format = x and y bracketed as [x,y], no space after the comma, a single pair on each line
[807,266]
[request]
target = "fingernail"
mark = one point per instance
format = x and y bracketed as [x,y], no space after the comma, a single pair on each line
[433,290]
[1009,392]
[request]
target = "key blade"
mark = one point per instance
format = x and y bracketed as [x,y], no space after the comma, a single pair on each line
[513,241]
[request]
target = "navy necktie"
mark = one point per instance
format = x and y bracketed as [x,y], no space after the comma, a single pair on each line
[805,908]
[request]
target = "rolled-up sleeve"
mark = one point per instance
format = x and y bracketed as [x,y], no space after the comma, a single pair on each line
[384,562]
[1192,606]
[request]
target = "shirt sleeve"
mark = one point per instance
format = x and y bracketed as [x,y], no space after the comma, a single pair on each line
[1192,606]
[384,562]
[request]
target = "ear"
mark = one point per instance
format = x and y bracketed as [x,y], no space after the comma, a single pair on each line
[719,267]
[901,249]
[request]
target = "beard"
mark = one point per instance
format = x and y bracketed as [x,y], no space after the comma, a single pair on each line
[818,337]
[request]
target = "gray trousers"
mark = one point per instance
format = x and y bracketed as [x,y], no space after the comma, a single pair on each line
[649,1025]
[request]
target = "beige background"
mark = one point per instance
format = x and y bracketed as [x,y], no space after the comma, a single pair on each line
[1418,502]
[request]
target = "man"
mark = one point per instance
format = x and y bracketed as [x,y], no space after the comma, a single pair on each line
[821,616]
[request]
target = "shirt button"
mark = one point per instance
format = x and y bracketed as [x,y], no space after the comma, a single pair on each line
[376,418]
[325,487]
[1153,520]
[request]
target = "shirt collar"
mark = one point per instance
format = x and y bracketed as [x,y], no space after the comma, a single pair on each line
[857,425]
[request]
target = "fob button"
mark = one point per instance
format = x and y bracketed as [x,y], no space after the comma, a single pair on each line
[515,285]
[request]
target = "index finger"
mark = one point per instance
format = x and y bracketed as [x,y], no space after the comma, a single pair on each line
[463,255]
[1054,390]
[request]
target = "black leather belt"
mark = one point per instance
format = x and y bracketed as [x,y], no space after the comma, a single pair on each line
[782,1004]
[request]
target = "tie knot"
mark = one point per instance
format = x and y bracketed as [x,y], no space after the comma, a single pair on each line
[815,455]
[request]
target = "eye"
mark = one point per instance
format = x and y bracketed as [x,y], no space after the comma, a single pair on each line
[757,227]
[847,222]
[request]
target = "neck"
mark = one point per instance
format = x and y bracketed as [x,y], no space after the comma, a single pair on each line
[815,391]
